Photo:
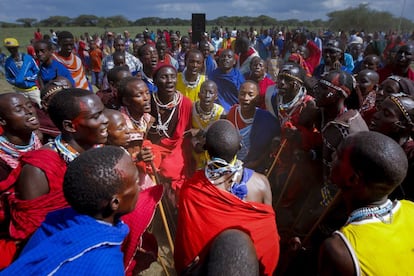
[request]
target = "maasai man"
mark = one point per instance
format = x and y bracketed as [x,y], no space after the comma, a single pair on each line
[400,65]
[72,62]
[139,219]
[367,168]
[368,86]
[205,112]
[209,63]
[149,57]
[38,178]
[172,113]
[109,97]
[190,80]
[257,128]
[225,196]
[49,68]
[86,237]
[228,80]
[394,118]
[19,122]
[258,74]
[246,53]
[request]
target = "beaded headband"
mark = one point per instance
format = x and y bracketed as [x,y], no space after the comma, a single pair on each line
[403,110]
[290,76]
[331,85]
[52,91]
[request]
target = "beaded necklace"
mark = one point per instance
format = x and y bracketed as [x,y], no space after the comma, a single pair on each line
[205,116]
[172,104]
[246,121]
[378,212]
[16,150]
[141,124]
[286,110]
[190,84]
[161,127]
[217,168]
[67,152]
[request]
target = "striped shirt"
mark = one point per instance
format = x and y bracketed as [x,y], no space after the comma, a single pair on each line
[75,67]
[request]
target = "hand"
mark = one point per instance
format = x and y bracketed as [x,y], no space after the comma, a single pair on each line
[293,135]
[275,144]
[337,65]
[146,154]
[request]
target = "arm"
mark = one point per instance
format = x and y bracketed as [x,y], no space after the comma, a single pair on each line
[31,183]
[10,75]
[64,72]
[258,188]
[267,192]
[334,258]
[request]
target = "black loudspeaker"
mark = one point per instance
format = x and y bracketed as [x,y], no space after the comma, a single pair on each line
[198,25]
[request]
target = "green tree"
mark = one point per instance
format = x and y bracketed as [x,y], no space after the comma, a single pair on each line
[118,21]
[362,18]
[55,21]
[27,22]
[85,20]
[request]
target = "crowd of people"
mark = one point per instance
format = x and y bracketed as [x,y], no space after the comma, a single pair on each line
[280,152]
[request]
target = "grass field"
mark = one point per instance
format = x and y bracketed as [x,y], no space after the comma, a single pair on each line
[24,35]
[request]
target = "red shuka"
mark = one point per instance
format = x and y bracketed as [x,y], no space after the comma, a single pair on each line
[205,211]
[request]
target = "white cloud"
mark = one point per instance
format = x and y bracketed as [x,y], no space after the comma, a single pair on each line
[10,10]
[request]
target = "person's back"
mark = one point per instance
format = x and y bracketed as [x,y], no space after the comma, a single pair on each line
[376,226]
[365,239]
[221,197]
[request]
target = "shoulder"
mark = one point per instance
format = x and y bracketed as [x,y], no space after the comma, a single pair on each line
[260,181]
[335,258]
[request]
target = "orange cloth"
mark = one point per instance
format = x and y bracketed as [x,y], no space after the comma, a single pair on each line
[96,60]
[75,67]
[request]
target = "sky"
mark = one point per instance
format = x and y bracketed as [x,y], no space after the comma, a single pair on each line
[10,10]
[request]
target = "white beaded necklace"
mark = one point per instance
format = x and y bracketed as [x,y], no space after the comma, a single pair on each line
[378,212]
[191,84]
[246,121]
[161,127]
[172,104]
[141,123]
[205,116]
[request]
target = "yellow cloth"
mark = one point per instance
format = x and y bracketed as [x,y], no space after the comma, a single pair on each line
[382,248]
[189,92]
[199,123]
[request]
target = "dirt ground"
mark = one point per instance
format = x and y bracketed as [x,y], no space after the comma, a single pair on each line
[4,85]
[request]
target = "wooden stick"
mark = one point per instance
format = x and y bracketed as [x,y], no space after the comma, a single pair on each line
[156,179]
[292,169]
[164,267]
[321,218]
[276,158]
